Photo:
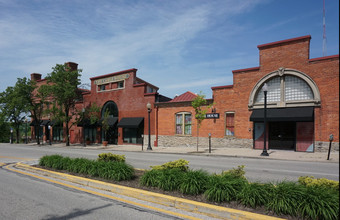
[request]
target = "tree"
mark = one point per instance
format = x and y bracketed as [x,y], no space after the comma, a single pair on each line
[5,129]
[14,104]
[200,106]
[63,85]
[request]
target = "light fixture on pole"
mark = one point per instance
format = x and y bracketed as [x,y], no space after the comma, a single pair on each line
[265,90]
[49,133]
[83,114]
[11,135]
[148,106]
[25,130]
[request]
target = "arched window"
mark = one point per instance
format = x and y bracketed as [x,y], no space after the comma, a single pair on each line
[286,88]
[111,107]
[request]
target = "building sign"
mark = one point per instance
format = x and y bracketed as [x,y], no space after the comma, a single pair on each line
[111,79]
[212,115]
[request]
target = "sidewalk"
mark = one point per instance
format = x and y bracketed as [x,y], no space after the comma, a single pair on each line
[229,152]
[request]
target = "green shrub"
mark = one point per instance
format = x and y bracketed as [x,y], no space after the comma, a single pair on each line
[111,157]
[150,178]
[322,182]
[178,164]
[50,160]
[319,203]
[235,172]
[220,189]
[170,179]
[285,198]
[254,194]
[194,182]
[117,171]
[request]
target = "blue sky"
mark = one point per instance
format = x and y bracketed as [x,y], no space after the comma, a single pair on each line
[177,45]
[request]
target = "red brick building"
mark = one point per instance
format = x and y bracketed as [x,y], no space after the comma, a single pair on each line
[302,105]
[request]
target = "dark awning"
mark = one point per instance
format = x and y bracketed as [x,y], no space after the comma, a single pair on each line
[42,123]
[284,114]
[130,122]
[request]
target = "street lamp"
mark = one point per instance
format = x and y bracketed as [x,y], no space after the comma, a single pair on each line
[265,90]
[26,130]
[49,134]
[11,135]
[149,111]
[83,112]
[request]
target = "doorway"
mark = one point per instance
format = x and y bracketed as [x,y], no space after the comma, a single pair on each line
[282,135]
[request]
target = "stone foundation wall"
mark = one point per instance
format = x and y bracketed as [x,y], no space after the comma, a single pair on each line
[230,142]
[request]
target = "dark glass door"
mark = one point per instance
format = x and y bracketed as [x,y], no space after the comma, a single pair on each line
[282,135]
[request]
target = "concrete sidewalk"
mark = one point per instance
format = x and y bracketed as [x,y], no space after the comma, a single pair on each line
[230,152]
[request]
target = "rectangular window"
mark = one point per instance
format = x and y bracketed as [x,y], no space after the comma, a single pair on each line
[183,123]
[230,129]
[121,84]
[90,134]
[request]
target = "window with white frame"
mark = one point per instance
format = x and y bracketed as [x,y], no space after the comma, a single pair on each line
[183,123]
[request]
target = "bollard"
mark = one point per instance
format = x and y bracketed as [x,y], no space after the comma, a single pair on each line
[330,145]
[209,142]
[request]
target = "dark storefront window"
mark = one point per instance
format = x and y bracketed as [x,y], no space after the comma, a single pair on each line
[90,134]
[57,133]
[133,135]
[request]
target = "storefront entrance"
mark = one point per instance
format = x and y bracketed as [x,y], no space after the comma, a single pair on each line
[282,135]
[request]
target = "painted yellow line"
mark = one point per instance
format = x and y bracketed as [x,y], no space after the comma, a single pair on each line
[2,164]
[15,158]
[103,195]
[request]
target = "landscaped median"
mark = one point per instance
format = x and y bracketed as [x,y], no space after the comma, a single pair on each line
[308,199]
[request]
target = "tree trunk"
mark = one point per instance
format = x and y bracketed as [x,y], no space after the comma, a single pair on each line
[67,128]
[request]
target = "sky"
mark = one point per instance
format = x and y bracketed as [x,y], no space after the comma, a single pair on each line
[176,45]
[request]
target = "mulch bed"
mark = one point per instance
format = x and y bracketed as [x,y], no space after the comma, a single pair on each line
[134,183]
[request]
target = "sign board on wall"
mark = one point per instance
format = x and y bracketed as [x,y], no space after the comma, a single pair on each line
[111,79]
[212,115]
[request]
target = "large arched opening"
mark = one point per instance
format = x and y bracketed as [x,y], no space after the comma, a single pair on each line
[291,98]
[109,112]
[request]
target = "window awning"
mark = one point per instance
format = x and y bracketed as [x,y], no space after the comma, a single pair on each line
[111,121]
[284,114]
[130,122]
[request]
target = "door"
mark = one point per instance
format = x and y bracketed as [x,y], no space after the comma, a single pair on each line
[282,135]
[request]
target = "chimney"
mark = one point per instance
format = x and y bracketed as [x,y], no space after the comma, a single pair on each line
[72,65]
[35,76]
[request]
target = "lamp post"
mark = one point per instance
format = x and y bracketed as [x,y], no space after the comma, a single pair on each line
[49,134]
[149,111]
[11,135]
[25,130]
[83,112]
[265,90]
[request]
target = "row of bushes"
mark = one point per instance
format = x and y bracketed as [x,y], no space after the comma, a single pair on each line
[303,199]
[308,199]
[111,170]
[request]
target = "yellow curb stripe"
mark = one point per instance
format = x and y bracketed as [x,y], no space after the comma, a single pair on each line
[179,203]
[104,195]
[2,164]
[15,158]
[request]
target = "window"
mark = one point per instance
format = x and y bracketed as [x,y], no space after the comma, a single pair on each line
[57,133]
[121,84]
[90,134]
[230,129]
[183,123]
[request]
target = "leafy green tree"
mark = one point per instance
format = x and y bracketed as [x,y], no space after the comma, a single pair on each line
[63,85]
[14,105]
[200,106]
[5,129]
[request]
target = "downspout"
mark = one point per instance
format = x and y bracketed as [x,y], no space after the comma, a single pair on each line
[156,127]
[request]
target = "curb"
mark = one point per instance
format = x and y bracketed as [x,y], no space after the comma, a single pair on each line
[179,203]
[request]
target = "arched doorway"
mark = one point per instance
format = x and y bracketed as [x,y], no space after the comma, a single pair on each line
[291,98]
[112,110]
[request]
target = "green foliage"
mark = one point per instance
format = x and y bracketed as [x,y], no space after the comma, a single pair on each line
[235,172]
[109,170]
[254,194]
[194,182]
[178,164]
[151,178]
[170,179]
[285,198]
[321,182]
[319,203]
[220,190]
[111,157]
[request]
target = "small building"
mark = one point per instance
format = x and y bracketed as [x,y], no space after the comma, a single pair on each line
[303,104]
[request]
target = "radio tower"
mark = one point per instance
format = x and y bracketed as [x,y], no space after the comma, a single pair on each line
[324,41]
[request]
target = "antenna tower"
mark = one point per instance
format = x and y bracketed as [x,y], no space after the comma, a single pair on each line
[324,41]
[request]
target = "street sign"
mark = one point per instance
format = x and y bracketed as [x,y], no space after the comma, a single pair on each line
[212,115]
